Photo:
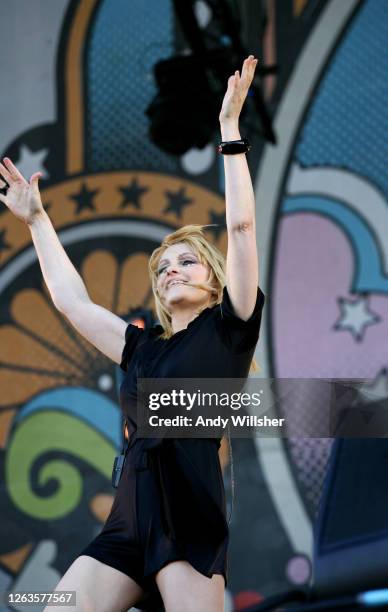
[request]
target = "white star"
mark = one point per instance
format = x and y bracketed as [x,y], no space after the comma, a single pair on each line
[30,162]
[378,389]
[355,317]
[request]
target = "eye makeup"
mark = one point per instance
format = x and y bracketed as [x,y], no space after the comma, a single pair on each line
[182,258]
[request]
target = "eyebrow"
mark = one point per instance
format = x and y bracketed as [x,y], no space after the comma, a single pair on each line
[179,256]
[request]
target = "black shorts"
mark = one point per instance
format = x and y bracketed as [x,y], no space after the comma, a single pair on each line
[134,541]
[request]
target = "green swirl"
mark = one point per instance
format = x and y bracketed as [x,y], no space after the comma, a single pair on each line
[53,431]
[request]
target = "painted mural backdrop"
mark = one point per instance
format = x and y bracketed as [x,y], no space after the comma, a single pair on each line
[76,91]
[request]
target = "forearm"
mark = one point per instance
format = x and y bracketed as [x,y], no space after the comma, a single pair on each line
[62,279]
[239,195]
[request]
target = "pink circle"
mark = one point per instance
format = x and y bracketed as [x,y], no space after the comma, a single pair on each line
[298,570]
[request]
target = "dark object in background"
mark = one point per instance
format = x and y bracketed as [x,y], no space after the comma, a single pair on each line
[4,189]
[350,535]
[351,539]
[191,87]
[185,111]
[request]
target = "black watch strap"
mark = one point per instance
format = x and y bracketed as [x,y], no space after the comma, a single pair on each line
[234,147]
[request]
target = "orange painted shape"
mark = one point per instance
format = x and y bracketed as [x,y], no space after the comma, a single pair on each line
[16,559]
[299,6]
[5,425]
[223,453]
[21,386]
[107,203]
[75,102]
[100,506]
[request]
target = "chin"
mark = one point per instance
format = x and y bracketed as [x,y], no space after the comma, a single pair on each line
[177,298]
[187,294]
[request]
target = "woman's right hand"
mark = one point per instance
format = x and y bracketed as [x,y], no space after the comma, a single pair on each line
[22,198]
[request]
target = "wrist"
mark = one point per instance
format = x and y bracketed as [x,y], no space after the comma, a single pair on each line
[37,217]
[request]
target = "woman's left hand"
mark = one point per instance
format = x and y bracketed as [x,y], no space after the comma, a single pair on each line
[237,91]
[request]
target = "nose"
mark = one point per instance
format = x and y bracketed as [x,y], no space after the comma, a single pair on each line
[172,269]
[171,272]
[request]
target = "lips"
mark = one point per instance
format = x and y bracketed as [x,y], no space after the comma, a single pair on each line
[174,282]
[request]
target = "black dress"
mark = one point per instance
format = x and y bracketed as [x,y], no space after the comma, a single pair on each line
[170,504]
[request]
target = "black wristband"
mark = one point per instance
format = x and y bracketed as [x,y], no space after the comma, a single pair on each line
[233,147]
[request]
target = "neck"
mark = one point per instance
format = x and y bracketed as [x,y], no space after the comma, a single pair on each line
[181,319]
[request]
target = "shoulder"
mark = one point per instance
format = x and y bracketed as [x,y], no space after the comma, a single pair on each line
[132,337]
[238,334]
[138,340]
[227,311]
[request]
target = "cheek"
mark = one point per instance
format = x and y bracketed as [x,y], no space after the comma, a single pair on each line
[159,288]
[199,271]
[198,274]
[205,274]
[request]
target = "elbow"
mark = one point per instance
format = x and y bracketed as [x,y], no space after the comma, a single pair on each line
[243,226]
[66,304]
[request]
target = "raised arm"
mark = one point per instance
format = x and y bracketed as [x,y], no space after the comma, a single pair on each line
[98,325]
[242,268]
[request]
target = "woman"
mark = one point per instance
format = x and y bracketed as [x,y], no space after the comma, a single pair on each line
[165,540]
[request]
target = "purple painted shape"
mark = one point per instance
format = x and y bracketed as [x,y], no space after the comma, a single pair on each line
[313,268]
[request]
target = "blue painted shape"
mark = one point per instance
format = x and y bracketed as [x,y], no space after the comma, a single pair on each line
[128,38]
[90,406]
[346,123]
[368,269]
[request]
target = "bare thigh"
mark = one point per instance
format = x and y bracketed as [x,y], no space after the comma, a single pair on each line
[183,588]
[99,587]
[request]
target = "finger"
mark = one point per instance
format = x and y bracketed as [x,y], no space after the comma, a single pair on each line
[252,61]
[249,73]
[16,175]
[34,180]
[249,62]
[36,175]
[246,69]
[5,174]
[2,184]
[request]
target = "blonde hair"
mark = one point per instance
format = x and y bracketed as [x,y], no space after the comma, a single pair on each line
[193,235]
